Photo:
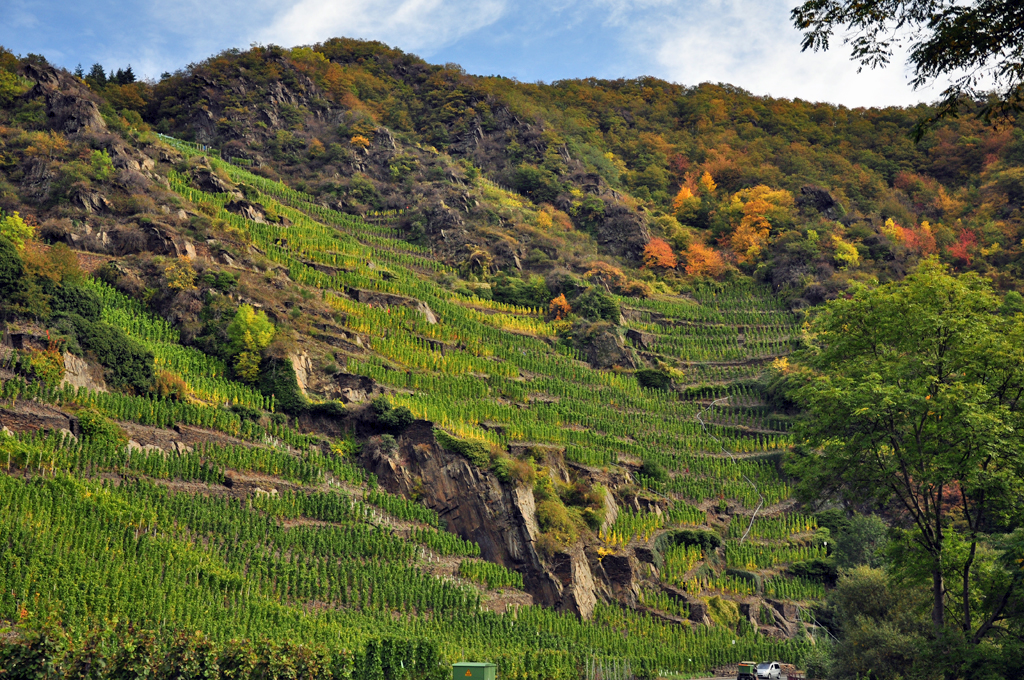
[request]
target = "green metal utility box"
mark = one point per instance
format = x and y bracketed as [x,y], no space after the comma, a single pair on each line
[471,670]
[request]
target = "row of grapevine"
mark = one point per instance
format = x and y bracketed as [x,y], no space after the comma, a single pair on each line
[659,599]
[444,543]
[755,556]
[494,575]
[793,588]
[402,508]
[778,527]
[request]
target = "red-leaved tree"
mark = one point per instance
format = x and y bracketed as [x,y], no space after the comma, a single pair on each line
[658,255]
[965,243]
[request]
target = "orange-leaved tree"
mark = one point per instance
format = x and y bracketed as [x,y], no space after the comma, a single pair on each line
[918,239]
[751,236]
[658,255]
[684,194]
[559,308]
[704,261]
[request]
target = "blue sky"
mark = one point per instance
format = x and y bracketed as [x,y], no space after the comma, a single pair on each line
[748,43]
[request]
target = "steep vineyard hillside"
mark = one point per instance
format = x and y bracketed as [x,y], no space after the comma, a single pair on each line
[328,362]
[280,535]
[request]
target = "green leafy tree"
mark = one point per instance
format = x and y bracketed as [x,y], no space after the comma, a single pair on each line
[392,419]
[277,379]
[861,542]
[102,165]
[595,304]
[72,298]
[913,396]
[128,363]
[14,228]
[538,184]
[101,429]
[250,332]
[977,44]
[11,269]
[880,635]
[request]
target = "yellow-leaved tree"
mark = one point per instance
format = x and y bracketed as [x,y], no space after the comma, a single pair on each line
[846,254]
[758,208]
[752,234]
[16,230]
[180,274]
[706,184]
[250,332]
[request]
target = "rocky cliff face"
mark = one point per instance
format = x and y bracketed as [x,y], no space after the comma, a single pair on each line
[501,518]
[70,106]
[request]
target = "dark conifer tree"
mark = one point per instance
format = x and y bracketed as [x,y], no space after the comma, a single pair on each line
[97,76]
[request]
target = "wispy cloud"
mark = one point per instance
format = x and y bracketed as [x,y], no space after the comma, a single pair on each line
[752,44]
[19,14]
[408,24]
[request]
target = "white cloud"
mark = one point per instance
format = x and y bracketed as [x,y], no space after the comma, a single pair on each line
[408,24]
[751,44]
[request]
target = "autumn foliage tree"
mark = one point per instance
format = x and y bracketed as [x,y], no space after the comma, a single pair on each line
[751,235]
[250,332]
[703,261]
[658,255]
[962,249]
[918,239]
[706,185]
[180,274]
[684,195]
[559,308]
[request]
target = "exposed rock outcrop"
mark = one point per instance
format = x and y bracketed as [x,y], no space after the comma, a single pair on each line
[303,367]
[90,201]
[246,209]
[619,572]
[152,237]
[80,373]
[573,570]
[477,506]
[623,232]
[354,388]
[641,339]
[70,106]
[606,349]
[501,518]
[28,416]
[819,199]
[207,180]
[371,297]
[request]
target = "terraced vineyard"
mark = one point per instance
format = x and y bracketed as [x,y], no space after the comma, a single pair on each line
[486,362]
[96,531]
